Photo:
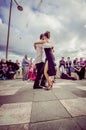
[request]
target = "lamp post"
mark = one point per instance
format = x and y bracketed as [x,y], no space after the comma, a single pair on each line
[20,8]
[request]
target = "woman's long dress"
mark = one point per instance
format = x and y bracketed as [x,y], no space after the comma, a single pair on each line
[50,58]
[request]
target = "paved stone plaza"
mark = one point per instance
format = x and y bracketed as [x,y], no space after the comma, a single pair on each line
[62,108]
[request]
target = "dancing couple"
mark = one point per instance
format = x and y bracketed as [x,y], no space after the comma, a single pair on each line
[45,62]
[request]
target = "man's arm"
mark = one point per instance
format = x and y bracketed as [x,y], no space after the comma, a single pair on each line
[40,42]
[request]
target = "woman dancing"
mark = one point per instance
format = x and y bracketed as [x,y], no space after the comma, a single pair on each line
[49,69]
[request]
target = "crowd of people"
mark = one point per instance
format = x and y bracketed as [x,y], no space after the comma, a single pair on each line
[69,67]
[28,69]
[11,70]
[8,69]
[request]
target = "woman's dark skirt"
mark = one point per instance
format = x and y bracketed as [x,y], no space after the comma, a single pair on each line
[51,61]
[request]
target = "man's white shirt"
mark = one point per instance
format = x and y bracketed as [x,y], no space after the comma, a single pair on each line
[40,54]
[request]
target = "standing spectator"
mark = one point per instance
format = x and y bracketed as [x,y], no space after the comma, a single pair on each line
[62,65]
[85,68]
[25,67]
[17,62]
[17,71]
[77,68]
[30,74]
[35,73]
[68,66]
[82,65]
[31,61]
[75,62]
[31,68]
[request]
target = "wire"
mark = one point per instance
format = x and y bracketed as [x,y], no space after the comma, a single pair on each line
[41,1]
[16,2]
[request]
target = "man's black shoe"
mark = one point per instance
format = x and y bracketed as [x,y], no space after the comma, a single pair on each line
[38,87]
[43,85]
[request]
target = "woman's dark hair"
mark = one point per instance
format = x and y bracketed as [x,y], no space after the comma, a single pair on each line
[41,36]
[47,34]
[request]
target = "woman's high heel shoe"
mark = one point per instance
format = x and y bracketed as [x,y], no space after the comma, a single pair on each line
[48,88]
[50,85]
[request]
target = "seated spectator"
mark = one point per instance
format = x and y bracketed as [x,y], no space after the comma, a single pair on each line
[75,75]
[1,75]
[4,70]
[66,76]
[11,72]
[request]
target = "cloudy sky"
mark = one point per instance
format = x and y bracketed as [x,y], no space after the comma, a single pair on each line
[65,19]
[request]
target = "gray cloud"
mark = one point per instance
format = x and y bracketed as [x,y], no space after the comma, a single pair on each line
[64,19]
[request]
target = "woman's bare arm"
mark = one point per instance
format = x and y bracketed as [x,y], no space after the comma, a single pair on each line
[40,42]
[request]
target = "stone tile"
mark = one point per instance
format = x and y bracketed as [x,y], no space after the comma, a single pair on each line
[56,85]
[23,95]
[82,87]
[63,94]
[63,83]
[8,90]
[79,93]
[70,88]
[43,95]
[43,111]
[76,107]
[15,127]
[81,82]
[23,84]
[81,121]
[64,124]
[15,83]
[15,113]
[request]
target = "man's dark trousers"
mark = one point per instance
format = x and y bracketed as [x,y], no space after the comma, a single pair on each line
[40,71]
